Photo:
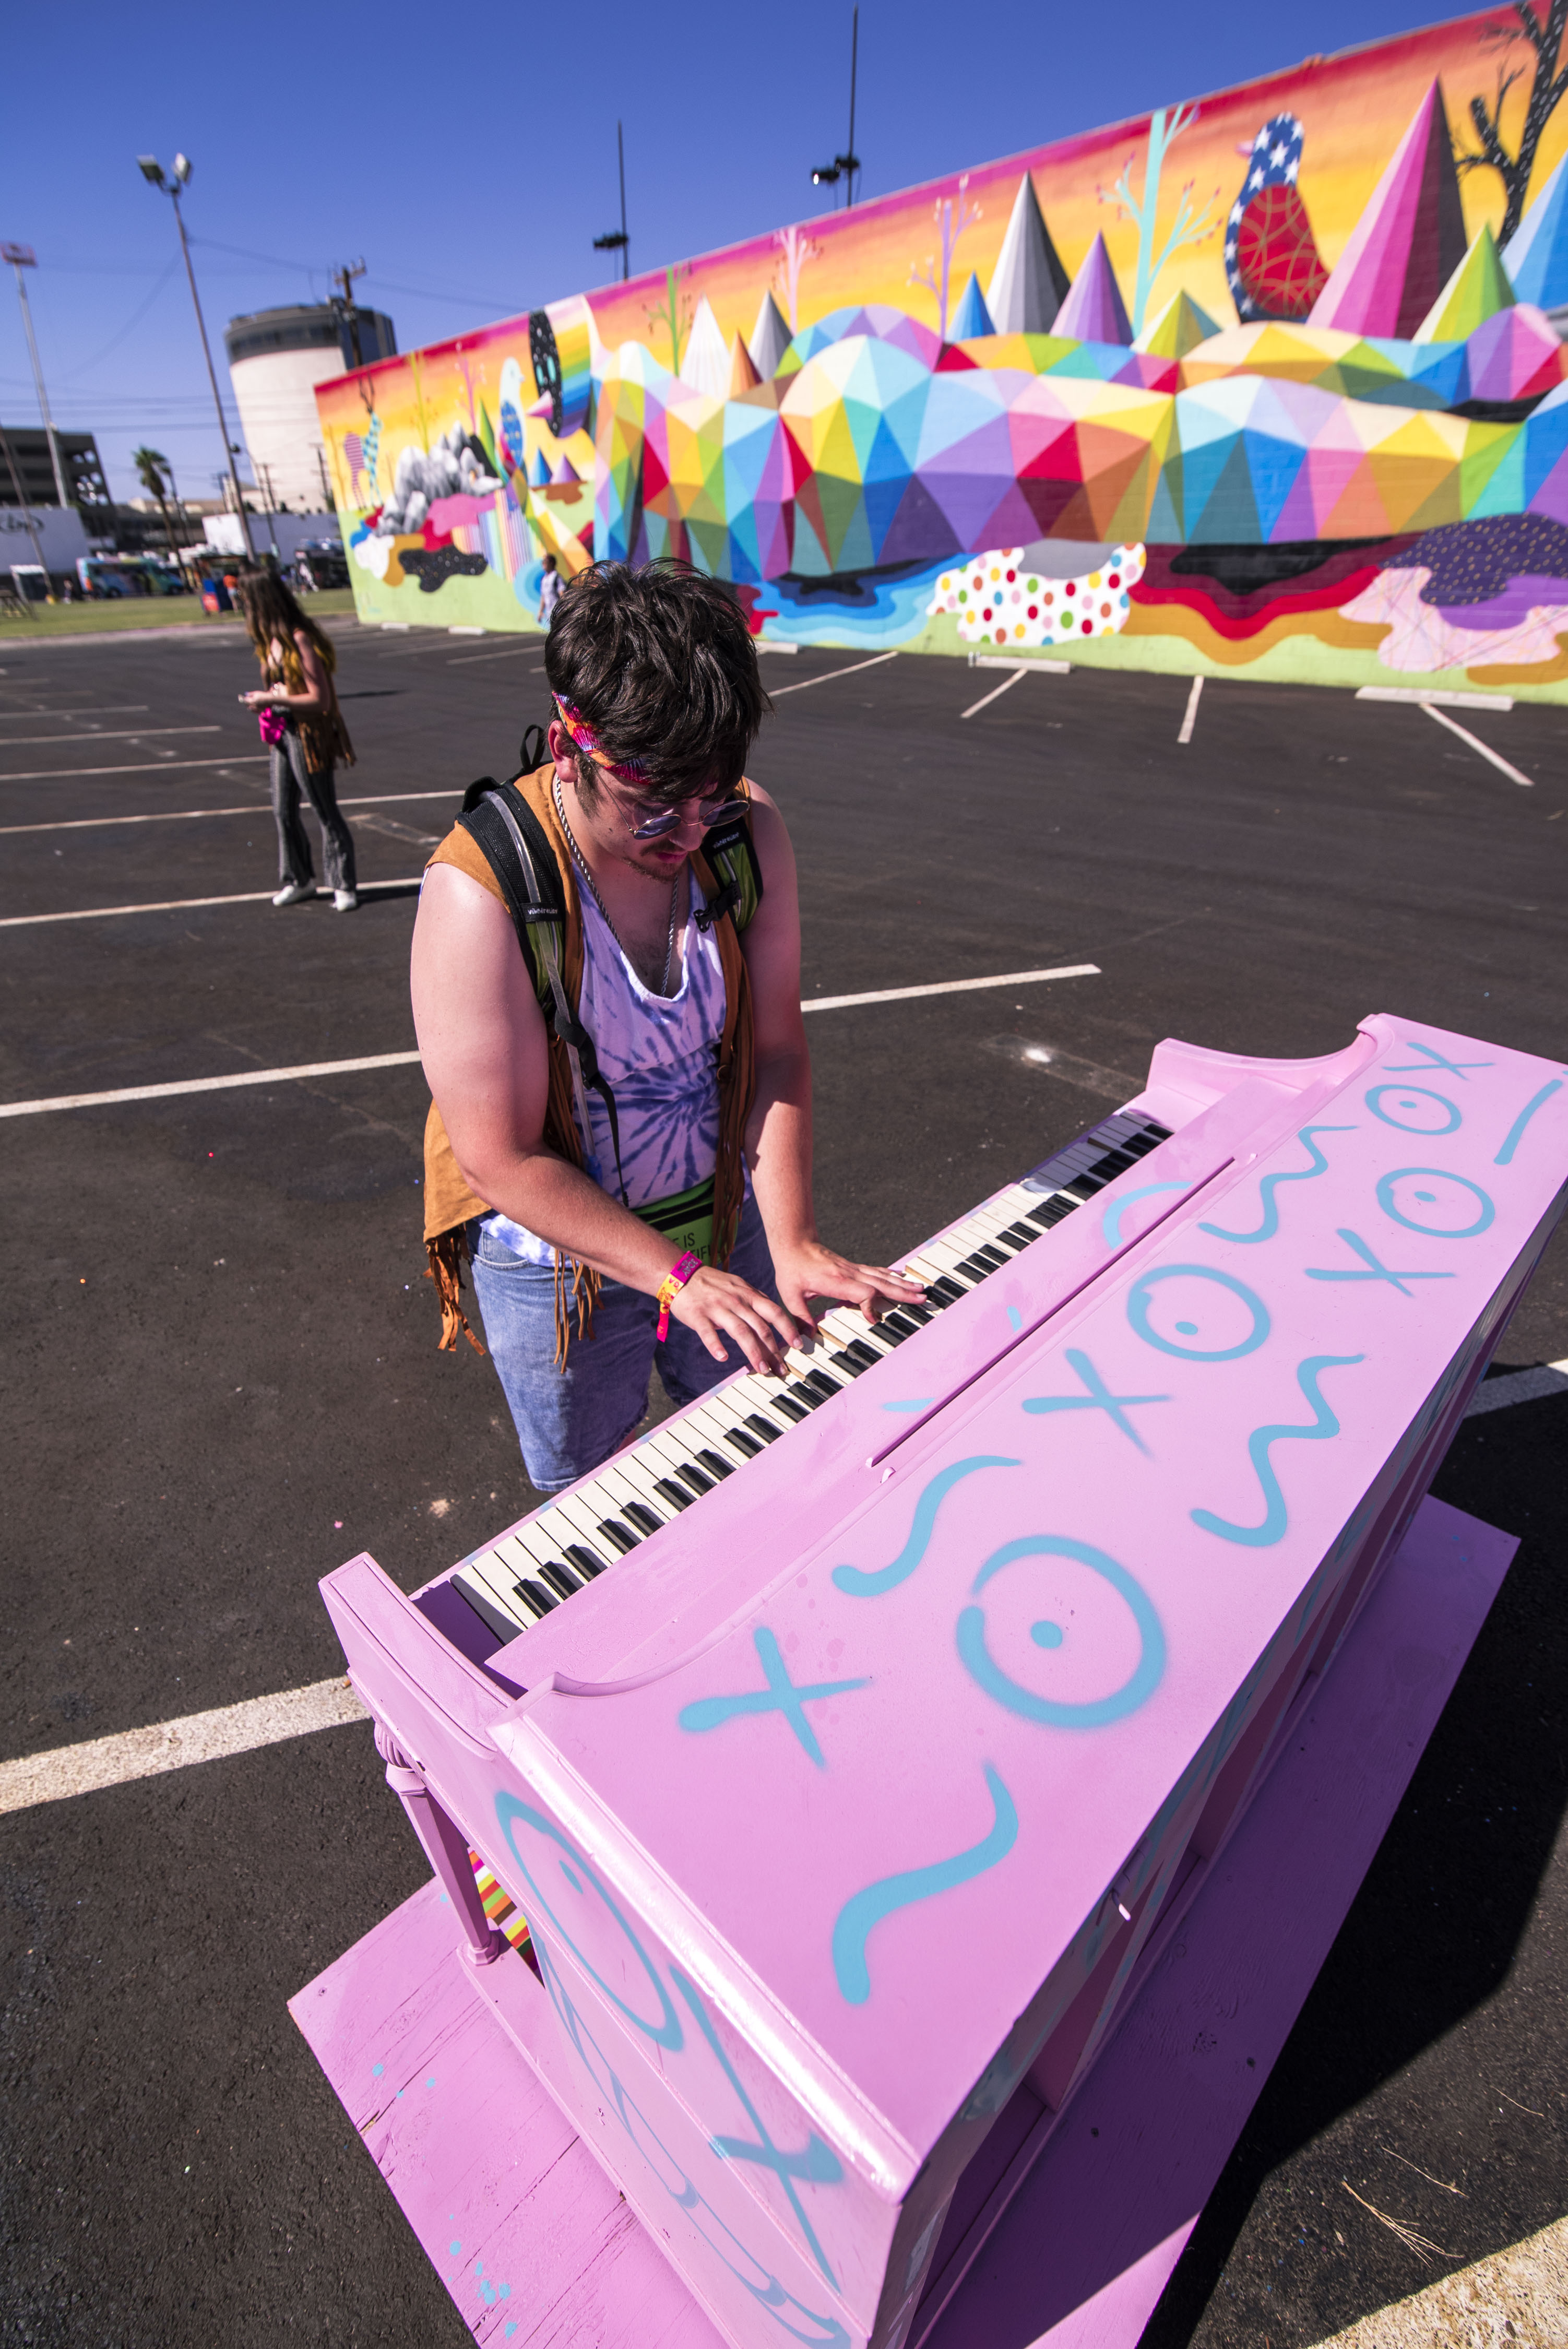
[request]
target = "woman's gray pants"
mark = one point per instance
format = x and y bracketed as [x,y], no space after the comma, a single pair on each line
[290,777]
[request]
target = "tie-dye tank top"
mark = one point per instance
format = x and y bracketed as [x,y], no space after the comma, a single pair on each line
[660,1056]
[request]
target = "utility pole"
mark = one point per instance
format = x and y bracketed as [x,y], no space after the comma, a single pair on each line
[153,172]
[617,241]
[21,257]
[344,303]
[851,160]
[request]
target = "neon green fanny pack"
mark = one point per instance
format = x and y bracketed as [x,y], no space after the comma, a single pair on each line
[685,1219]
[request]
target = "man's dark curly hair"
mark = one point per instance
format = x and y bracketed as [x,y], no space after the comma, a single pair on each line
[661,664]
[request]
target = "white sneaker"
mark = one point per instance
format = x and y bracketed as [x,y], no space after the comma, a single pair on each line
[344,901]
[292,892]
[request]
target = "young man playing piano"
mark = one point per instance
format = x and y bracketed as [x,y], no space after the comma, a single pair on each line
[630,1177]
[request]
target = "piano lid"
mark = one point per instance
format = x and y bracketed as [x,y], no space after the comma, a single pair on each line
[883,1733]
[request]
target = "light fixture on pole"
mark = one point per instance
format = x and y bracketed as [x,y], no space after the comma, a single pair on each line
[21,257]
[845,166]
[344,303]
[618,240]
[173,187]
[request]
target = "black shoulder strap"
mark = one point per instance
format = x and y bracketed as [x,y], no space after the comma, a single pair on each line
[731,855]
[517,848]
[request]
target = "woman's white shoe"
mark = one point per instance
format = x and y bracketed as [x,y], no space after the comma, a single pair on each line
[292,892]
[344,901]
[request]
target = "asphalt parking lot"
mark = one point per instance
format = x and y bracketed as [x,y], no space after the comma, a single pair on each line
[222,1380]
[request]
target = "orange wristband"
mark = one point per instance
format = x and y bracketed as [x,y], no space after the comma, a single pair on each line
[679,1273]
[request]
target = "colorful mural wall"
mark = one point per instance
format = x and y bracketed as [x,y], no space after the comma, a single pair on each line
[1269,381]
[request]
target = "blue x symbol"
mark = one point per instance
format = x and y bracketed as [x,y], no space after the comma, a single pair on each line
[1434,1061]
[1098,1397]
[780,1695]
[1379,1271]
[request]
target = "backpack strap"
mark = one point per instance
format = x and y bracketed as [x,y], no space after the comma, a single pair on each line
[731,855]
[516,847]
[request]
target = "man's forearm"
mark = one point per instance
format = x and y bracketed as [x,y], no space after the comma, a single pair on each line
[779,1150]
[565,1206]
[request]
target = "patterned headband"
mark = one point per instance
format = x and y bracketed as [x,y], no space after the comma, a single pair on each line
[585,738]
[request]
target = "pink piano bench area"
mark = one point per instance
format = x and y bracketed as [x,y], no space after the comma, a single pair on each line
[927,1841]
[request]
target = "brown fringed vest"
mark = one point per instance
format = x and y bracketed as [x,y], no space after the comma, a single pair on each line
[450,1205]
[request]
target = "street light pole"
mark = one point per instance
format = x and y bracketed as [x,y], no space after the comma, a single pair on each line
[626,240]
[851,159]
[21,257]
[152,170]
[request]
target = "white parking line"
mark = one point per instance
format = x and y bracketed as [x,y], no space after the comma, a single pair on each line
[114,709]
[209,1085]
[951,986]
[1419,693]
[101,1762]
[1489,755]
[827,675]
[108,734]
[175,905]
[1191,718]
[151,766]
[995,695]
[190,815]
[467,660]
[404,1060]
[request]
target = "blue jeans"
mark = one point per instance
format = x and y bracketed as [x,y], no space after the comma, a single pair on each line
[569,1421]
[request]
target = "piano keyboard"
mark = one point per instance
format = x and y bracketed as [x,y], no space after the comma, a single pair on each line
[581,1533]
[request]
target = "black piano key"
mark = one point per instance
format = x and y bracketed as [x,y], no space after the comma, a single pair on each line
[821,1385]
[715,1466]
[618,1536]
[646,1520]
[896,1328]
[564,1584]
[946,1292]
[788,1407]
[918,1314]
[969,1267]
[861,1350]
[1051,1211]
[535,1596]
[844,1363]
[762,1427]
[584,1561]
[802,1396]
[989,1253]
[743,1442]
[667,1490]
[694,1477]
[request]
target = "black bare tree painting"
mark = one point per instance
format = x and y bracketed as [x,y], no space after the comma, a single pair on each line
[1547,86]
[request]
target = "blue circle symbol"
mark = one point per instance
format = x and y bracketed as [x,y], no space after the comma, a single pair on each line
[983,1668]
[1138,1302]
[1046,1635]
[1485,1216]
[510,1814]
[1409,1098]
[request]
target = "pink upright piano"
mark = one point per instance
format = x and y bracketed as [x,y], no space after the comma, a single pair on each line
[853,1743]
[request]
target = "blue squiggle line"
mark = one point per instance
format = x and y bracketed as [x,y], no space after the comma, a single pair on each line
[1271,1183]
[1324,1424]
[862,1583]
[1516,1130]
[1111,1222]
[865,1910]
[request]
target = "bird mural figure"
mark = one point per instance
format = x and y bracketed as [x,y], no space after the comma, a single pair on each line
[1272,260]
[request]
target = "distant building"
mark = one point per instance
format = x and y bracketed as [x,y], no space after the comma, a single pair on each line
[276,359]
[29,448]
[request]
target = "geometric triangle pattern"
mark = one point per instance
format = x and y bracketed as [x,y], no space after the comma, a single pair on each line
[1478,290]
[1409,241]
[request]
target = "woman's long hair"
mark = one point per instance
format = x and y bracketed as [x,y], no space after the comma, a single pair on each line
[270,610]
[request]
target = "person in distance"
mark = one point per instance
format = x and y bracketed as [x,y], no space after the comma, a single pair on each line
[303,728]
[619,1137]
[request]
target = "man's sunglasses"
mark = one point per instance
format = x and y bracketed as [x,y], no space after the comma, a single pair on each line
[656,822]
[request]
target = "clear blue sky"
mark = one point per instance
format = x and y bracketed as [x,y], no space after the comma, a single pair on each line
[470,154]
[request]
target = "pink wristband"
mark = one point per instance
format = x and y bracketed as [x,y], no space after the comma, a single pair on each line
[679,1273]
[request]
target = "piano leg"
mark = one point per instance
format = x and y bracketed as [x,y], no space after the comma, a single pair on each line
[446,1849]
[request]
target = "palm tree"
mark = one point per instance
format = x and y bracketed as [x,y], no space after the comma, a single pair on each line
[152,470]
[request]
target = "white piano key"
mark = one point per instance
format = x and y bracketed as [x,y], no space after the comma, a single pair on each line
[490,1582]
